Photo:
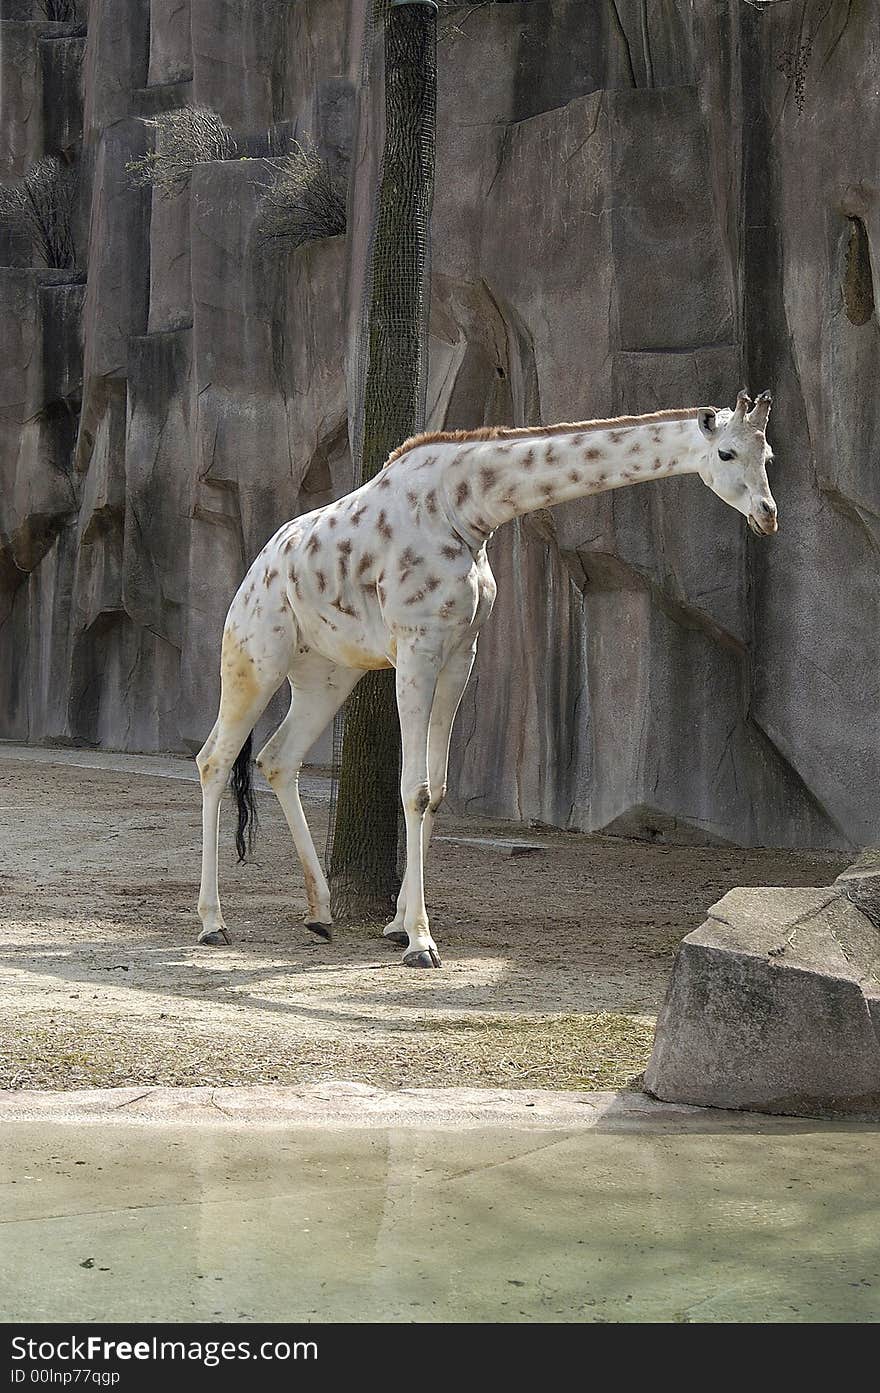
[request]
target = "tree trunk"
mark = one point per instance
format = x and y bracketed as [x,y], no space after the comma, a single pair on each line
[363,872]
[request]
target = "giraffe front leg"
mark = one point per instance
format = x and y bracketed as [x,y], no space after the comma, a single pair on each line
[395,931]
[417,673]
[449,691]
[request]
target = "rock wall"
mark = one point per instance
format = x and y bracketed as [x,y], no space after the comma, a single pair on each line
[639,204]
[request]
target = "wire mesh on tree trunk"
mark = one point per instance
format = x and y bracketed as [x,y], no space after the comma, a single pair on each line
[363,837]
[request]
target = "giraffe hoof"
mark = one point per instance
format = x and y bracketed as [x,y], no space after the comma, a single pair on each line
[397,936]
[214,936]
[428,957]
[324,931]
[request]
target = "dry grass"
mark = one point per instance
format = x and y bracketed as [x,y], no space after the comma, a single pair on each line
[606,1050]
[304,202]
[184,138]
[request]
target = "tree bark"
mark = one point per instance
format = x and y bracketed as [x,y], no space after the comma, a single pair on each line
[364,877]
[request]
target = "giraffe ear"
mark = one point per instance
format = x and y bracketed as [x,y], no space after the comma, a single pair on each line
[706,419]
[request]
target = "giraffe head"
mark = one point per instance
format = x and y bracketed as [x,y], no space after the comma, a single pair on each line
[736,460]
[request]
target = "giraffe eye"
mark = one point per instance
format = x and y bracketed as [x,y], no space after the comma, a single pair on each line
[727,455]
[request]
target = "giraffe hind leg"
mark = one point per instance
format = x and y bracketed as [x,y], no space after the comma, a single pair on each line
[317,690]
[249,678]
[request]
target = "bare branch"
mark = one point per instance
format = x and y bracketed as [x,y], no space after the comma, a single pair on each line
[304,202]
[43,204]
[62,11]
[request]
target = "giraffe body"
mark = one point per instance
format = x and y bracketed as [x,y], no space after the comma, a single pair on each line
[395,574]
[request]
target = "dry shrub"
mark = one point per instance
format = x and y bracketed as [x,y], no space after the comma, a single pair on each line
[43,204]
[189,136]
[63,11]
[304,202]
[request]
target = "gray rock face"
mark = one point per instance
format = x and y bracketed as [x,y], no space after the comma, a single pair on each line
[774,1005]
[636,208]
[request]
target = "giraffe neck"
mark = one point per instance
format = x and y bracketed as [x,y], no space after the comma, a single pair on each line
[491,481]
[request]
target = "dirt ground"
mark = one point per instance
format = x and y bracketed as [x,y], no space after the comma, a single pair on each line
[555,962]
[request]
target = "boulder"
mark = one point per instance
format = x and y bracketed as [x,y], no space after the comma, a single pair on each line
[774,1003]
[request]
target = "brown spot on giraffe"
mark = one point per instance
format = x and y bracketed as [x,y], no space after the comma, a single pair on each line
[451,552]
[344,609]
[358,514]
[636,447]
[384,482]
[332,520]
[269,576]
[321,580]
[344,546]
[577,440]
[574,476]
[432,583]
[462,492]
[528,459]
[431,502]
[238,671]
[488,477]
[364,564]
[550,455]
[593,453]
[416,598]
[658,463]
[311,890]
[412,498]
[407,562]
[313,544]
[383,527]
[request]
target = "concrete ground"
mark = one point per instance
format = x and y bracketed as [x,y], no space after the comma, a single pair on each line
[341,1202]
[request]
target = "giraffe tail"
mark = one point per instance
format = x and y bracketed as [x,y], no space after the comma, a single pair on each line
[243,792]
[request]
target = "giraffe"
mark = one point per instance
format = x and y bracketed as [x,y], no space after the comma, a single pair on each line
[395,574]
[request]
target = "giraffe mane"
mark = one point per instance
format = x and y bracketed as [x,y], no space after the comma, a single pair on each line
[536,432]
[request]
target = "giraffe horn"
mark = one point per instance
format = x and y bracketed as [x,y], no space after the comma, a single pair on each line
[743,404]
[758,416]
